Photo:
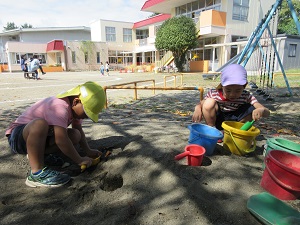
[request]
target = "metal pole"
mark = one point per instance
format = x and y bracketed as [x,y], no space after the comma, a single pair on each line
[175,78]
[280,64]
[135,91]
[153,86]
[263,27]
[200,89]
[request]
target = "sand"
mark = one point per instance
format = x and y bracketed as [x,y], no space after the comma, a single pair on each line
[140,182]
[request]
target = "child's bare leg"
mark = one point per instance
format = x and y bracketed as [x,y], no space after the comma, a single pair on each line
[74,136]
[35,134]
[209,111]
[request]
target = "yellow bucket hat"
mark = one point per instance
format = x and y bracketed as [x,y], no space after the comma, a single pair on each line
[92,97]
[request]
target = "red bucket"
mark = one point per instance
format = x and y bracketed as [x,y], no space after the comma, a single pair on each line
[281,177]
[194,154]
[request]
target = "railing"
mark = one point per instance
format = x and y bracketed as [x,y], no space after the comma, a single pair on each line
[175,79]
[116,86]
[143,42]
[164,59]
[135,87]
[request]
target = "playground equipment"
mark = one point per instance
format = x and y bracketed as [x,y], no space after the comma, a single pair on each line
[153,88]
[175,79]
[261,43]
[268,56]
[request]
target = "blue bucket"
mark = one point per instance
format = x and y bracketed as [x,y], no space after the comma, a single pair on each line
[204,135]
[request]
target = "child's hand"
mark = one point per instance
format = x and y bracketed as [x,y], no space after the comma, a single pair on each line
[93,163]
[197,116]
[258,113]
[87,161]
[93,153]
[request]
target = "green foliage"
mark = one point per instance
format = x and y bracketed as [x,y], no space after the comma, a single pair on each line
[26,25]
[178,35]
[87,47]
[10,26]
[153,14]
[286,24]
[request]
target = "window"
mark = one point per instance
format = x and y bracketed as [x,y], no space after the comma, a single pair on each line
[120,57]
[73,57]
[292,50]
[16,57]
[141,34]
[194,8]
[195,5]
[42,58]
[110,34]
[240,10]
[98,57]
[58,58]
[127,35]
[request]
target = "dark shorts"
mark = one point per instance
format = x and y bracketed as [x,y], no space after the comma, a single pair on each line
[237,115]
[16,140]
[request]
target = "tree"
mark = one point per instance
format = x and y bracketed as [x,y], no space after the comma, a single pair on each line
[26,25]
[178,35]
[286,24]
[10,26]
[88,49]
[153,14]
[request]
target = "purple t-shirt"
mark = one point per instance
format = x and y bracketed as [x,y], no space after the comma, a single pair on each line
[55,111]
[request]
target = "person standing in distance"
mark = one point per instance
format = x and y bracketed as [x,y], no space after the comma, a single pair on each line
[107,68]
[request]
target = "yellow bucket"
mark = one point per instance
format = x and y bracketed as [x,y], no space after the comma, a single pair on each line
[239,142]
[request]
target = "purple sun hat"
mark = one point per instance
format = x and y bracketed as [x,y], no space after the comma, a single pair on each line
[233,74]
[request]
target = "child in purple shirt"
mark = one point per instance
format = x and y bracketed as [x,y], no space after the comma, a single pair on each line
[43,128]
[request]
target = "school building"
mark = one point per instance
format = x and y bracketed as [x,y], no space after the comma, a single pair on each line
[223,28]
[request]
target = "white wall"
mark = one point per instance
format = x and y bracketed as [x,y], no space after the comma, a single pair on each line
[257,11]
[96,34]
[98,30]
[46,36]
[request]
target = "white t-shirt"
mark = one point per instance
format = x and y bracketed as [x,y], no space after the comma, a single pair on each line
[34,64]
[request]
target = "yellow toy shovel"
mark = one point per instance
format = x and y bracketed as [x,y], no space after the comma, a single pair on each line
[94,162]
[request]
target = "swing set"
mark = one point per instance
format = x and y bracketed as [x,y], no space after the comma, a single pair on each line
[261,44]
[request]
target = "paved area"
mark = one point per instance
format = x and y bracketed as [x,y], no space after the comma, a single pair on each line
[16,91]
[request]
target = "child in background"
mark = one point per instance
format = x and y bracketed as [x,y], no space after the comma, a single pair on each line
[43,129]
[24,64]
[34,66]
[230,101]
[102,69]
[107,68]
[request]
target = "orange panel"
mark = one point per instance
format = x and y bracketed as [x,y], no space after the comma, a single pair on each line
[218,18]
[213,18]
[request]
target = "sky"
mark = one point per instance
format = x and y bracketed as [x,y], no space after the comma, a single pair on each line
[69,13]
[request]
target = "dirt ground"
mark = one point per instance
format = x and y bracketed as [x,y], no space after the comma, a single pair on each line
[140,182]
